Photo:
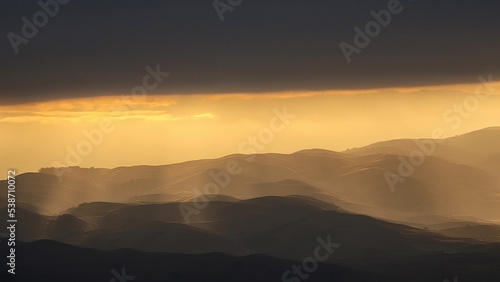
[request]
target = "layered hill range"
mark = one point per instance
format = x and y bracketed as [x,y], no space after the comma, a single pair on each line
[460,179]
[388,202]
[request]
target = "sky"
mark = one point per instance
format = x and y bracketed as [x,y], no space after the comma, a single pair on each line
[117,131]
[173,82]
[94,48]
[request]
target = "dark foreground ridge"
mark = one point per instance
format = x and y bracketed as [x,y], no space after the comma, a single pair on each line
[57,262]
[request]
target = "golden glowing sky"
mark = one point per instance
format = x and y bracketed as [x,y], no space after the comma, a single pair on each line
[166,129]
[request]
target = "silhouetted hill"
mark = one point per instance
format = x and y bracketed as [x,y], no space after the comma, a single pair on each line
[55,262]
[48,261]
[286,227]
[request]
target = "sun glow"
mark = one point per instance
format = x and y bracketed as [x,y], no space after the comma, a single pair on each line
[174,128]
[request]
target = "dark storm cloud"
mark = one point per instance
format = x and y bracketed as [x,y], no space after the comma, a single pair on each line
[97,47]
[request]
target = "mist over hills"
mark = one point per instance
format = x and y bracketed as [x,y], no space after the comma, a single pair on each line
[285,227]
[278,207]
[460,172]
